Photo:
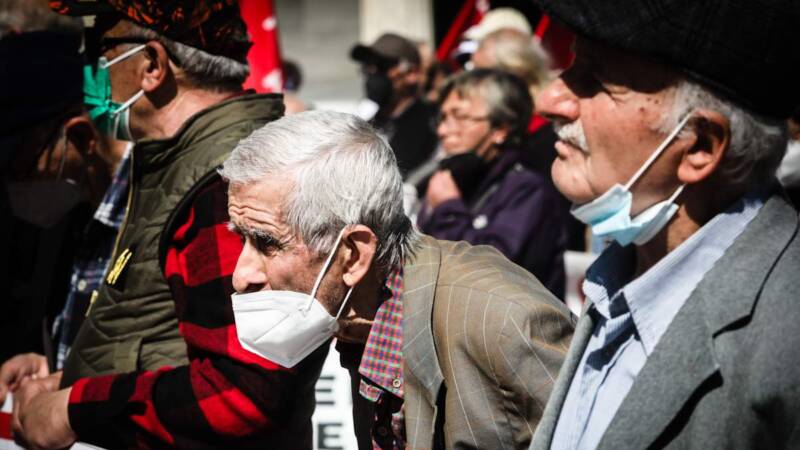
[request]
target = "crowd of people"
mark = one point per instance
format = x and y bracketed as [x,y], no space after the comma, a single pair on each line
[179,253]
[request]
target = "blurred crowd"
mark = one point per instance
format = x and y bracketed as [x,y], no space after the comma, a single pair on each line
[178,252]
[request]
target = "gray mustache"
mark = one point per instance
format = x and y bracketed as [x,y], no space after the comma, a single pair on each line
[572,133]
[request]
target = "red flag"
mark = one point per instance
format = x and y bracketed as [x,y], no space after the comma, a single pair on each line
[470,14]
[557,40]
[265,54]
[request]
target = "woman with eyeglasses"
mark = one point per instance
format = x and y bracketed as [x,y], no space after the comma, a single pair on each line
[481,193]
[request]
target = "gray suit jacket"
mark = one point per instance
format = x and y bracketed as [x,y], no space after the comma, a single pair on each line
[725,374]
[483,342]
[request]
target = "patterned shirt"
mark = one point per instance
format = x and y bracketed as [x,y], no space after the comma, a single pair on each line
[381,368]
[225,397]
[92,258]
[630,317]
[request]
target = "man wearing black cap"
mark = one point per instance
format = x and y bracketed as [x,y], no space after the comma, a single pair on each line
[392,77]
[54,168]
[156,362]
[671,123]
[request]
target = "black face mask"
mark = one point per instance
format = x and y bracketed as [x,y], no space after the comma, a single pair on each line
[468,170]
[378,88]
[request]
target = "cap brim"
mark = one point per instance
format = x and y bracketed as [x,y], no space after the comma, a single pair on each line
[366,55]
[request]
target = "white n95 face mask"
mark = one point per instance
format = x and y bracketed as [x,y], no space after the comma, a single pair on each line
[609,215]
[285,326]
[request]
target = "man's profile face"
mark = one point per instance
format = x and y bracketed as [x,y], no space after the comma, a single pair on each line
[273,258]
[620,101]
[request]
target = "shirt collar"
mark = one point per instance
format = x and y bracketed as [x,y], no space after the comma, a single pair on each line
[382,360]
[651,298]
[112,208]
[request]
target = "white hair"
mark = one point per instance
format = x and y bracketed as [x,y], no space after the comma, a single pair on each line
[343,173]
[518,53]
[205,70]
[757,143]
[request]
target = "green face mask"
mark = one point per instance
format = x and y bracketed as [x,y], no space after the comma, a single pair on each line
[111,118]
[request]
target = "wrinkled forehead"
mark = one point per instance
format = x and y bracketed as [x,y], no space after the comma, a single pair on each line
[269,196]
[638,72]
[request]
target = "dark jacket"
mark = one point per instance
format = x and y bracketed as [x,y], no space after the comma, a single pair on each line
[514,210]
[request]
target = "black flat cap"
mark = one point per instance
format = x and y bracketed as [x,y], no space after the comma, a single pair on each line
[746,50]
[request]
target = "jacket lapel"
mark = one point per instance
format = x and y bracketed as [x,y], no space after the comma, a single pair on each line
[547,426]
[419,352]
[684,358]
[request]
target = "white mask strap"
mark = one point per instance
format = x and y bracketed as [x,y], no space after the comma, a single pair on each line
[676,194]
[123,56]
[63,140]
[327,264]
[658,151]
[129,102]
[344,302]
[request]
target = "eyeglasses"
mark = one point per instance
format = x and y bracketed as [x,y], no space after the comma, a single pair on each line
[459,119]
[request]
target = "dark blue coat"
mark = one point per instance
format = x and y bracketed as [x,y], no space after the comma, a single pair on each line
[514,210]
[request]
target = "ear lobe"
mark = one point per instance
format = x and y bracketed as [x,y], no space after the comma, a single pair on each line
[361,246]
[156,67]
[500,134]
[711,140]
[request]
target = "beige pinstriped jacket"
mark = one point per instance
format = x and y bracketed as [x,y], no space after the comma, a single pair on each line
[483,343]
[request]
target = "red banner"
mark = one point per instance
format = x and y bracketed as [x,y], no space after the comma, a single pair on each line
[265,55]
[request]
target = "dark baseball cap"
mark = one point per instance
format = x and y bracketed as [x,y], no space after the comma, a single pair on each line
[744,50]
[387,51]
[214,26]
[30,93]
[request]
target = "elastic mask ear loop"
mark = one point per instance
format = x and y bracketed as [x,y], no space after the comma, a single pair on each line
[658,151]
[128,102]
[63,162]
[325,268]
[123,56]
[344,302]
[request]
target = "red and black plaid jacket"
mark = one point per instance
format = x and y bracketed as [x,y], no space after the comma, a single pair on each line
[225,396]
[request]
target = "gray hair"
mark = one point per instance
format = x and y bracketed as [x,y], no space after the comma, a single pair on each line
[757,143]
[203,69]
[507,98]
[343,173]
[518,53]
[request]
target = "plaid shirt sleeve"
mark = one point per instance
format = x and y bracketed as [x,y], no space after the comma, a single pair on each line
[225,395]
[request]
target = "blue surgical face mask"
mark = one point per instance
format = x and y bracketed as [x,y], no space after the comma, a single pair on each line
[609,215]
[111,118]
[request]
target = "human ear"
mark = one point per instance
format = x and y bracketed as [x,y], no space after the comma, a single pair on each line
[360,246]
[711,141]
[81,135]
[155,66]
[499,134]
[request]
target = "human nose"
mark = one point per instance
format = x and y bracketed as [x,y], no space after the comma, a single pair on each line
[249,274]
[558,103]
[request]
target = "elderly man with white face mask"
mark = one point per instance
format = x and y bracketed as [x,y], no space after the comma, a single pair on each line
[671,123]
[317,197]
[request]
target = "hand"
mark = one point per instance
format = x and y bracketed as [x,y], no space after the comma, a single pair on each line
[18,368]
[441,188]
[40,419]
